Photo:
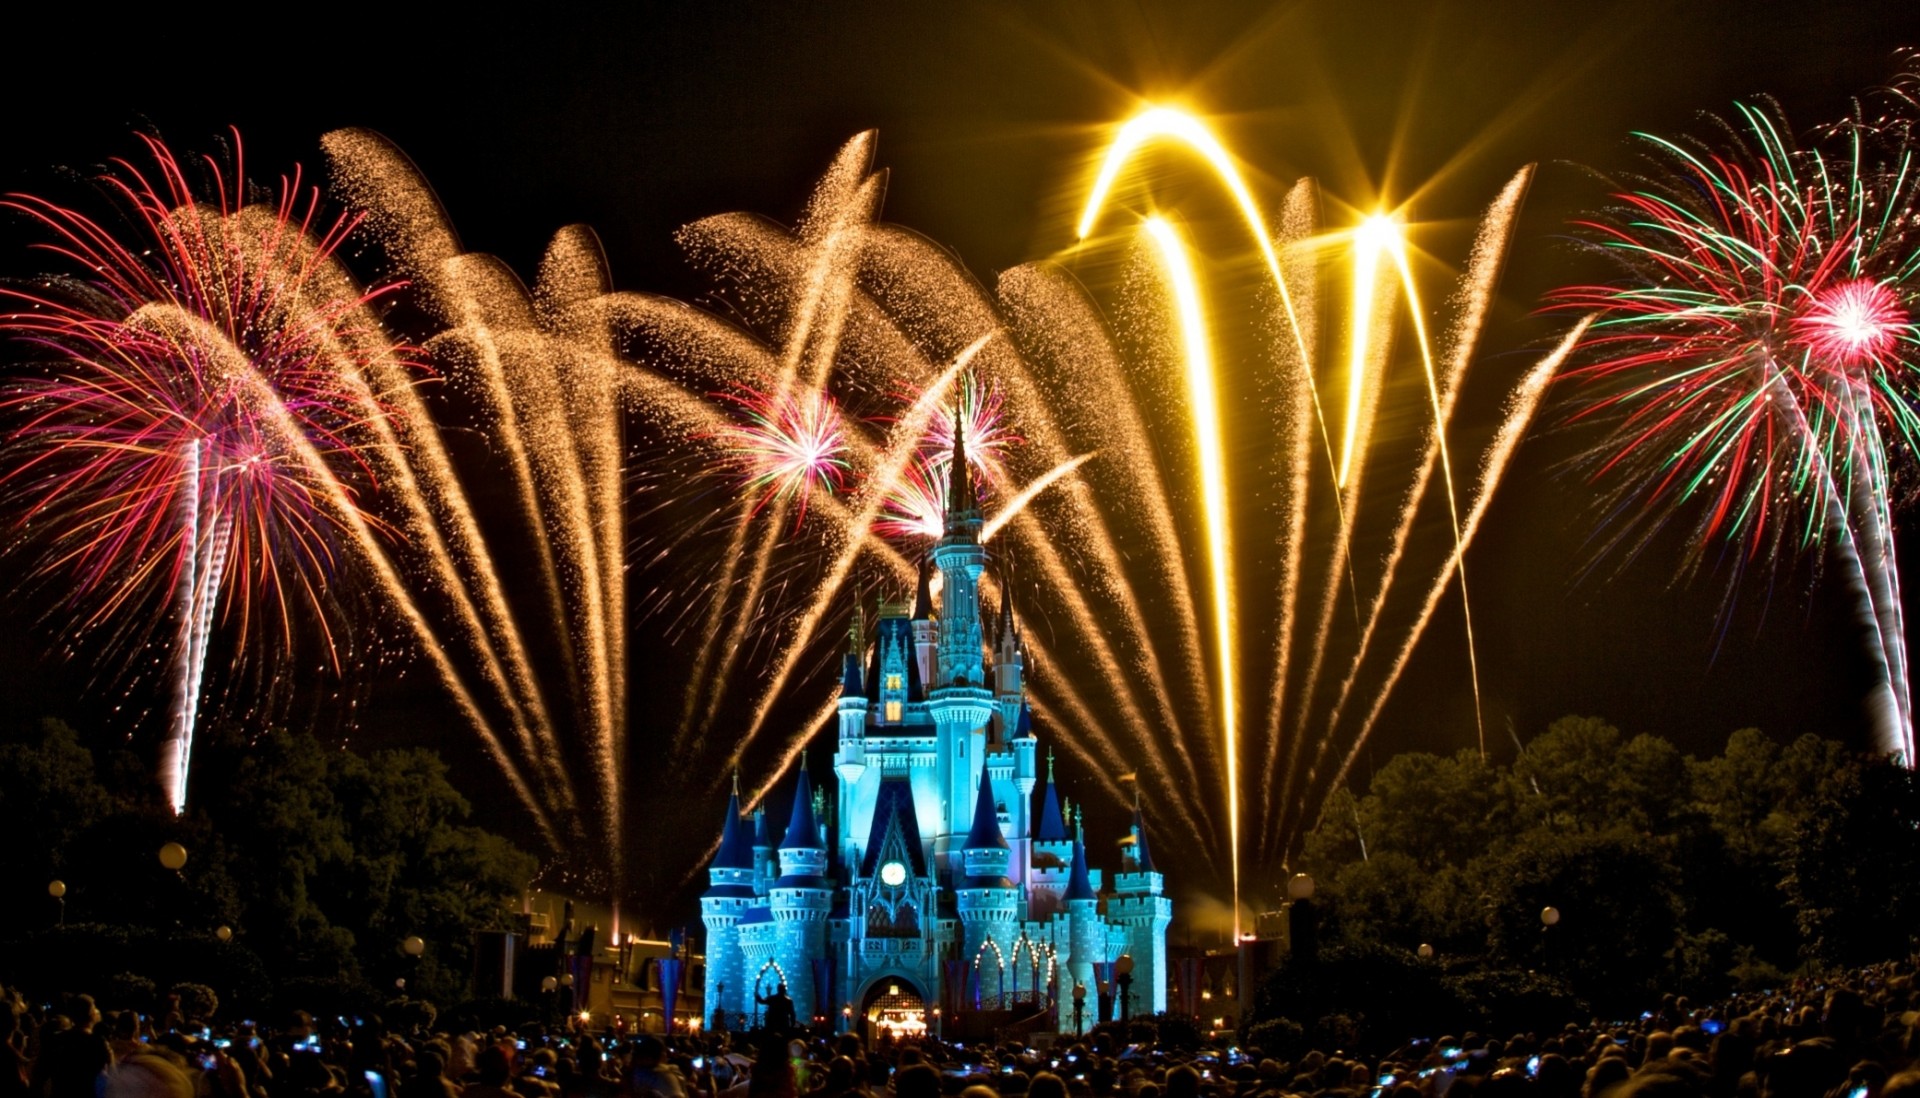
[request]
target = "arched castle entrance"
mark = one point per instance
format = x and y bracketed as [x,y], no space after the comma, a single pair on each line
[892,1006]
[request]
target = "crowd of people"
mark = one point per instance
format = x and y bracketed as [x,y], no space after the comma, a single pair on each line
[1850,1036]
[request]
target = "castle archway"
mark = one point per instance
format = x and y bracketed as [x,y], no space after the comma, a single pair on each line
[893,1006]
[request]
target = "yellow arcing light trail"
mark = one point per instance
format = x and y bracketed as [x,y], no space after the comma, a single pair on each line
[1213,481]
[1178,124]
[1374,235]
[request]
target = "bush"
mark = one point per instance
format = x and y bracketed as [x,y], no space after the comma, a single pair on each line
[198,1003]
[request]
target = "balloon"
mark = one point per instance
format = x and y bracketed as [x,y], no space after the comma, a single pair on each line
[173,856]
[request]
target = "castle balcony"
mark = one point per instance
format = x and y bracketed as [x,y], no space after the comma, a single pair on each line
[908,951]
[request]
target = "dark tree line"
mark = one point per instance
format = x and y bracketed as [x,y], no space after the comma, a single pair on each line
[319,863]
[1670,874]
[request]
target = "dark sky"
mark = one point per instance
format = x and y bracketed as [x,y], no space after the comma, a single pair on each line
[642,119]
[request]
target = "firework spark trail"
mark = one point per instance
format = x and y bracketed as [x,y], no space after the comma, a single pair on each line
[189,652]
[900,452]
[1203,406]
[1475,296]
[572,277]
[1370,373]
[1521,408]
[1298,222]
[184,326]
[1018,504]
[919,272]
[438,520]
[1049,310]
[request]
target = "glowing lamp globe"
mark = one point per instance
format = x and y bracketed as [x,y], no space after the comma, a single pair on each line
[414,945]
[1426,951]
[224,933]
[1300,887]
[548,983]
[567,980]
[57,889]
[173,856]
[1549,916]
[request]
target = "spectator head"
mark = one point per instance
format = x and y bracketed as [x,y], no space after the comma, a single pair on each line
[493,1066]
[1183,1082]
[146,1075]
[1806,1070]
[1047,1085]
[917,1081]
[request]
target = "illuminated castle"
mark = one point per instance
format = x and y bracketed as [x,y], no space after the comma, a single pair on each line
[930,882]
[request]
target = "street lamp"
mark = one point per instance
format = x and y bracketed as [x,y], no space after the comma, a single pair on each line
[936,1024]
[415,945]
[1123,975]
[58,890]
[224,933]
[173,856]
[1302,927]
[1079,1007]
[1550,916]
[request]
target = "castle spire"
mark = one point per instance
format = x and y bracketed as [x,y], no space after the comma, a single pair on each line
[960,483]
[802,832]
[1142,858]
[923,594]
[736,847]
[985,833]
[1052,827]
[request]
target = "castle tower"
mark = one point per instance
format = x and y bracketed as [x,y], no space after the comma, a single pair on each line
[763,866]
[1009,695]
[986,900]
[926,642]
[728,896]
[1051,856]
[1144,912]
[850,758]
[1088,937]
[960,701]
[800,900]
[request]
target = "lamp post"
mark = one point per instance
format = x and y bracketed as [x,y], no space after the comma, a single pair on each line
[58,890]
[1123,975]
[1549,918]
[937,1031]
[1079,1007]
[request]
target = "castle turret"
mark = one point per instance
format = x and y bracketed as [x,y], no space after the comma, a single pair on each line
[800,900]
[850,758]
[1051,856]
[1085,931]
[1026,749]
[1142,910]
[986,900]
[926,642]
[728,896]
[960,701]
[764,870]
[1008,691]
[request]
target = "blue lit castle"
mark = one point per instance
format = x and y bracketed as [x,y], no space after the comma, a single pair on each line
[928,882]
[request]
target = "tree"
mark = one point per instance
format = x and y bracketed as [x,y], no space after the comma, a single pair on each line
[1853,866]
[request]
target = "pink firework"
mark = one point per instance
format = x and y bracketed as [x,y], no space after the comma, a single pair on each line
[915,506]
[1853,323]
[790,445]
[988,435]
[189,420]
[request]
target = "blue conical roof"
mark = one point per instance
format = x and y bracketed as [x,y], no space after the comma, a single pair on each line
[802,832]
[1140,853]
[736,849]
[1079,887]
[1053,828]
[850,684]
[1025,727]
[923,594]
[985,834]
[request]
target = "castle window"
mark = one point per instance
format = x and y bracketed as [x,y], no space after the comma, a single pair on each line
[893,682]
[893,711]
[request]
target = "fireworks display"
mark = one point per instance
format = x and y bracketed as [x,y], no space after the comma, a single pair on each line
[187,445]
[1189,475]
[1755,368]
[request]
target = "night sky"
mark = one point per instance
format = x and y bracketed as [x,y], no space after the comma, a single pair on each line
[989,116]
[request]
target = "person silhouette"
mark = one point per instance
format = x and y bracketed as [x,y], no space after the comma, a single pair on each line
[779,1009]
